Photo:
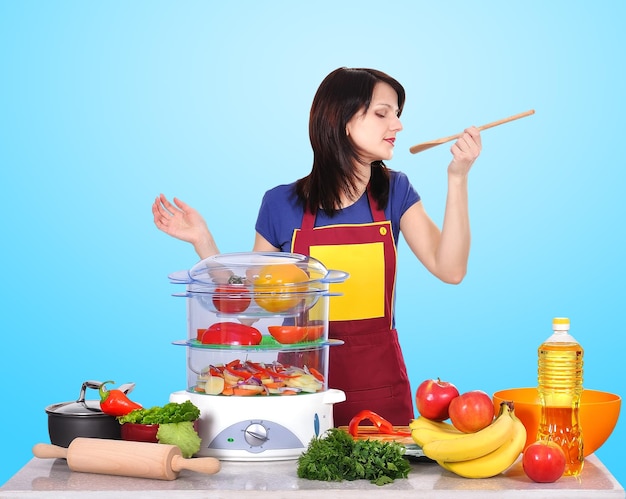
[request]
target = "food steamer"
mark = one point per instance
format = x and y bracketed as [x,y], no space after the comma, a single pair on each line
[274,397]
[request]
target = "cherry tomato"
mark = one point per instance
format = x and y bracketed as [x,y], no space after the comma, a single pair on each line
[274,286]
[544,462]
[231,298]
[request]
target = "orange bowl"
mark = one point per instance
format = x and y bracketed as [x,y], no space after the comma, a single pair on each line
[598,413]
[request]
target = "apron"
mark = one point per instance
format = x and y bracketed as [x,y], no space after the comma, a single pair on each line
[369,366]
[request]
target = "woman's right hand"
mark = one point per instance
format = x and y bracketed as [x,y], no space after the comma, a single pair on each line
[183,222]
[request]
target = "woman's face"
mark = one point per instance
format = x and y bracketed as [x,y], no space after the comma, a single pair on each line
[373,132]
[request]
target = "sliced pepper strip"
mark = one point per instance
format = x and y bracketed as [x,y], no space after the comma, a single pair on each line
[316,374]
[240,373]
[379,422]
[268,371]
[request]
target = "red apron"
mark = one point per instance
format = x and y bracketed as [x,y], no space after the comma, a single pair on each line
[369,366]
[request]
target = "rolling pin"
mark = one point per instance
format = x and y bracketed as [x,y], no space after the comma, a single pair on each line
[126,458]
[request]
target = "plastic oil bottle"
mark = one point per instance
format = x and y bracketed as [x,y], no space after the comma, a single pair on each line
[560,388]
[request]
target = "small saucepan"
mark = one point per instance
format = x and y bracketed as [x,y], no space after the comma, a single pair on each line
[82,418]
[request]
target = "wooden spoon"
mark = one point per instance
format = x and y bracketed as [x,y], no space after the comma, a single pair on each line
[432,143]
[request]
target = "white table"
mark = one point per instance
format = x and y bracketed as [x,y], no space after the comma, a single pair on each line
[51,478]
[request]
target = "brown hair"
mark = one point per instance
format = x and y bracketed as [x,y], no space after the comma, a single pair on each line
[341,95]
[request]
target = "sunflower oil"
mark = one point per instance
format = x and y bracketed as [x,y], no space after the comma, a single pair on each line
[560,376]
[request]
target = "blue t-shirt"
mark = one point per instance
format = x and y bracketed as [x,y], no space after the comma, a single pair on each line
[280,213]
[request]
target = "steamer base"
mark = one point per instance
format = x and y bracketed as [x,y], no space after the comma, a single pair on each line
[261,428]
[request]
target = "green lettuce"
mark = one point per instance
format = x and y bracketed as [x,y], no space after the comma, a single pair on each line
[175,422]
[173,412]
[181,434]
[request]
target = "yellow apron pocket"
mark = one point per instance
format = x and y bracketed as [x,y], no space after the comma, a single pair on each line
[363,293]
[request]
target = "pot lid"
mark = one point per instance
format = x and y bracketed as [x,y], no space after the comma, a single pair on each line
[82,407]
[220,269]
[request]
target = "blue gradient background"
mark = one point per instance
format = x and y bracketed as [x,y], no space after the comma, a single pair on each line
[105,104]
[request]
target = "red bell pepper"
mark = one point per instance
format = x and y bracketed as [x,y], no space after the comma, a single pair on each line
[231,333]
[115,402]
[379,422]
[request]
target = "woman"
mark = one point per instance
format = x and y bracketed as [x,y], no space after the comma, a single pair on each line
[348,213]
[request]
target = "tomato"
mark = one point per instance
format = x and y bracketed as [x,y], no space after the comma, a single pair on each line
[288,334]
[433,398]
[314,333]
[231,298]
[471,411]
[274,286]
[296,334]
[230,333]
[544,462]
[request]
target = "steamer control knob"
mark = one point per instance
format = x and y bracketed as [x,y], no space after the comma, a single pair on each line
[255,434]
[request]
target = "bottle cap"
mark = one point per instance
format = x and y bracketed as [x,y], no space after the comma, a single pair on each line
[560,324]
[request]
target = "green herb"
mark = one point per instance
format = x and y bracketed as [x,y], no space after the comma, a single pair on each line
[337,456]
[173,412]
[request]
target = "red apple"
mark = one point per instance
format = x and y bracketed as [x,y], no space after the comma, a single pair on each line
[433,398]
[471,411]
[544,462]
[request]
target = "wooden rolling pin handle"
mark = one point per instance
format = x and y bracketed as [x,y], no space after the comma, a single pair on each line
[208,465]
[49,451]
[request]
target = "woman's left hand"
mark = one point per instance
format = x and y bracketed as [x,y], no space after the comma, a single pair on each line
[465,151]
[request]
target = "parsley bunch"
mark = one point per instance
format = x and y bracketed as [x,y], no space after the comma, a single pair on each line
[337,457]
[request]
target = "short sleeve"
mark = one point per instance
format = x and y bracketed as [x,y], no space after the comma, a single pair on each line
[402,195]
[279,215]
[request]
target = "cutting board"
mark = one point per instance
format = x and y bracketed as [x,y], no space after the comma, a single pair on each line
[372,433]
[411,449]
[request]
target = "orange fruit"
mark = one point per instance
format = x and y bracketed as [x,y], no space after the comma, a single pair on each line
[276,287]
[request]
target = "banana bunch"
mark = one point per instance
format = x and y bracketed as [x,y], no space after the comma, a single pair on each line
[482,454]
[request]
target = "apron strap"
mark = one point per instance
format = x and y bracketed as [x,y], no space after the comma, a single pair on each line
[377,214]
[308,219]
